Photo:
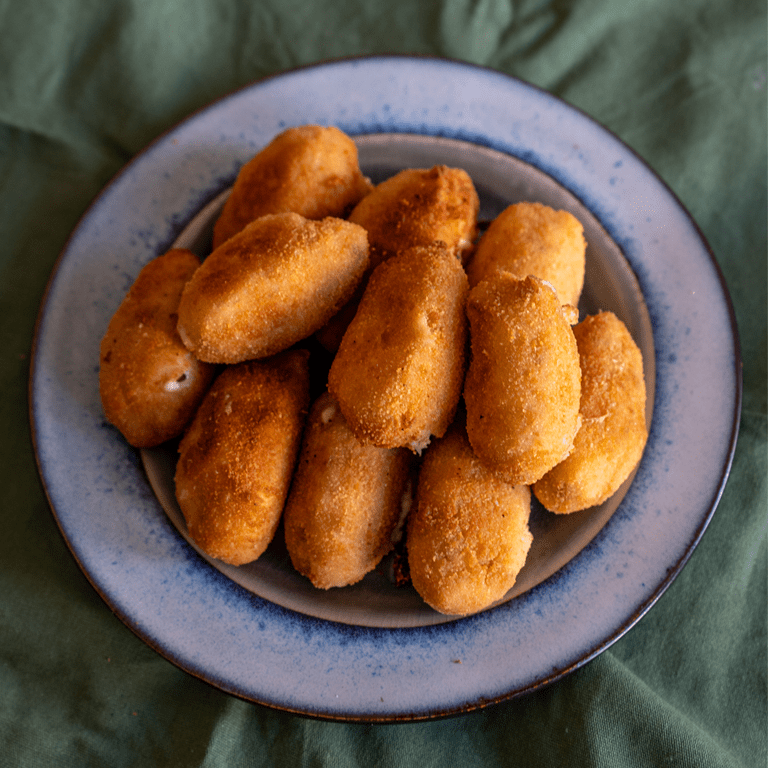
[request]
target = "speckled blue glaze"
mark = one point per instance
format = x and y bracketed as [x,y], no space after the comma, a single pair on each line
[215,629]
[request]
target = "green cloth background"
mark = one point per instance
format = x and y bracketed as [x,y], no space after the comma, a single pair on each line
[86,84]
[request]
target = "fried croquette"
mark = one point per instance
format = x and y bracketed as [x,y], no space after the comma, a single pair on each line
[237,457]
[523,382]
[468,535]
[274,283]
[345,502]
[149,382]
[418,206]
[415,207]
[613,432]
[308,169]
[533,239]
[398,373]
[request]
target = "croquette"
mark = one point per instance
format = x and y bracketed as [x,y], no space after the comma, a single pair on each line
[523,383]
[613,431]
[468,535]
[398,373]
[308,169]
[534,239]
[237,457]
[150,384]
[346,500]
[272,284]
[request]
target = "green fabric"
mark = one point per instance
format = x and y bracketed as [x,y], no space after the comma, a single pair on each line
[86,84]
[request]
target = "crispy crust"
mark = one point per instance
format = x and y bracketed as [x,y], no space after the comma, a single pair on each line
[524,382]
[399,370]
[237,457]
[534,239]
[307,169]
[613,432]
[468,535]
[150,384]
[416,207]
[271,285]
[345,503]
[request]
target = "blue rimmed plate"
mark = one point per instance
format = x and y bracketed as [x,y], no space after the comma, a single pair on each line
[374,652]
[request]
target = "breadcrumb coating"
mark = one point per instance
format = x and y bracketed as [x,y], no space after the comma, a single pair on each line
[523,384]
[416,207]
[237,457]
[468,536]
[271,285]
[345,501]
[399,370]
[149,382]
[308,169]
[613,431]
[534,239]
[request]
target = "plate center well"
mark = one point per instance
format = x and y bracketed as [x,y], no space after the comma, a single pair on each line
[609,284]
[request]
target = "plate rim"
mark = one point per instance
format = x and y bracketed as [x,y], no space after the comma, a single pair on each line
[599,646]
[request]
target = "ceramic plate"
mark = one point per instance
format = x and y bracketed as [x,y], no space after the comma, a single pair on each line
[374,652]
